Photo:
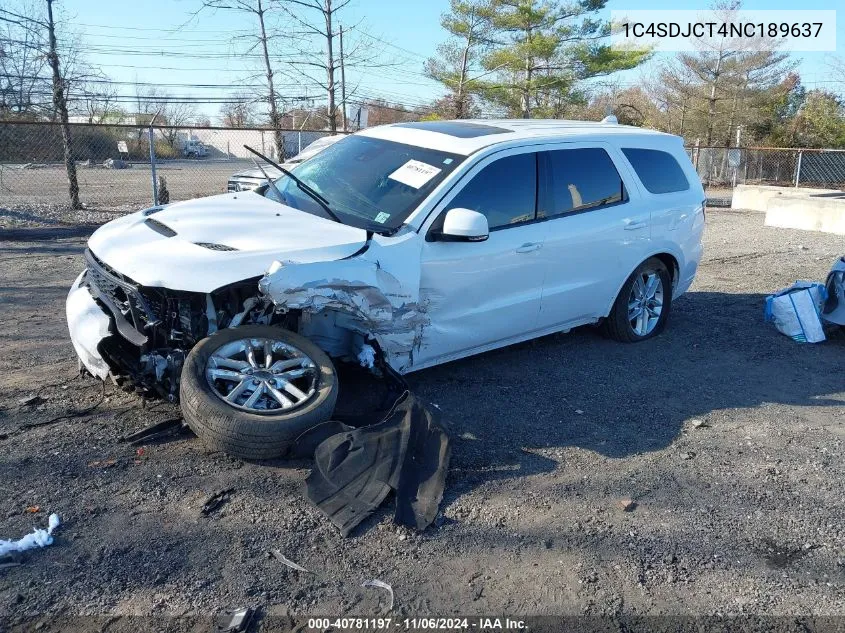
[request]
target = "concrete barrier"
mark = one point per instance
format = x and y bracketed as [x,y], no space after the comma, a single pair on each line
[757,197]
[807,212]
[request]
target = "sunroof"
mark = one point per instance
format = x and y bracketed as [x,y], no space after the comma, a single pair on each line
[461,129]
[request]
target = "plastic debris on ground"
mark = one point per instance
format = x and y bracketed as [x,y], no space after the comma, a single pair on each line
[38,538]
[796,311]
[355,469]
[359,459]
[287,561]
[238,621]
[159,430]
[381,585]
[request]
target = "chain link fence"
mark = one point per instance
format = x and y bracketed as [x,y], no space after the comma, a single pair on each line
[115,165]
[721,169]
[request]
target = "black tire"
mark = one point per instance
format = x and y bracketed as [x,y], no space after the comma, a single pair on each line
[617,326]
[238,432]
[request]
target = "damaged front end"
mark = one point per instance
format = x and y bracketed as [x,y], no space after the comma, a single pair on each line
[140,335]
[352,308]
[343,306]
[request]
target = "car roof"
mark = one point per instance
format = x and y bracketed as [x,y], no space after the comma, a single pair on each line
[470,135]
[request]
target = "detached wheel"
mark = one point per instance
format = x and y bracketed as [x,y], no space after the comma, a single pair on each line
[643,305]
[252,390]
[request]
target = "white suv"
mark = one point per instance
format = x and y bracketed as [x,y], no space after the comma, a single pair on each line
[407,245]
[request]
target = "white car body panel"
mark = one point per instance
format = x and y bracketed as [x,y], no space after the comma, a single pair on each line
[578,281]
[88,325]
[428,302]
[456,280]
[262,230]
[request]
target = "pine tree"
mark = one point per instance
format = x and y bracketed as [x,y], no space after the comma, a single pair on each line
[543,49]
[456,66]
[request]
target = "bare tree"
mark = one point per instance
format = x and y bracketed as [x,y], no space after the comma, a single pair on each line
[155,103]
[60,106]
[317,60]
[176,115]
[259,10]
[240,112]
[837,65]
[323,14]
[380,112]
[99,101]
[23,86]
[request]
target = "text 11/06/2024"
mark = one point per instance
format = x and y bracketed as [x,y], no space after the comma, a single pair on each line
[481,624]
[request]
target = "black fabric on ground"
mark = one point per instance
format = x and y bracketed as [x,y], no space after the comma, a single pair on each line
[423,474]
[355,469]
[307,443]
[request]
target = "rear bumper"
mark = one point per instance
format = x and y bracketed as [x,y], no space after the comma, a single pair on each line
[88,325]
[686,277]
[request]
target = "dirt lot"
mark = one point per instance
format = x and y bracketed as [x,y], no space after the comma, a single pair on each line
[727,435]
[99,186]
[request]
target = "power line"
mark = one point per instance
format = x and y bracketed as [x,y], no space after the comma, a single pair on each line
[111,27]
[214,70]
[157,84]
[404,50]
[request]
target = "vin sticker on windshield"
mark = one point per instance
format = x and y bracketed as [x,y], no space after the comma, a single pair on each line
[382,217]
[414,173]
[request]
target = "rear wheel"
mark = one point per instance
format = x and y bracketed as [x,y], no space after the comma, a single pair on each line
[251,391]
[643,305]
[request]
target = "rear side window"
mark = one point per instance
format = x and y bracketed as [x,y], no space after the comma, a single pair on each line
[505,191]
[658,171]
[579,179]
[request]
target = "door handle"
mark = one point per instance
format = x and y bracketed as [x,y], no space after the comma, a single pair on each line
[529,247]
[633,225]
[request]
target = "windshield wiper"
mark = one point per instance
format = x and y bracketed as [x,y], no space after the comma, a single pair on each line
[316,196]
[269,181]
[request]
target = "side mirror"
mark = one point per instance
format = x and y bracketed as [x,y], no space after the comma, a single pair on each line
[464,225]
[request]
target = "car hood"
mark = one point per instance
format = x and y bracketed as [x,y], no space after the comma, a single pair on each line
[256,173]
[163,249]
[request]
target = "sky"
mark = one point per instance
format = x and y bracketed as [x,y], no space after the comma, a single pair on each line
[166,42]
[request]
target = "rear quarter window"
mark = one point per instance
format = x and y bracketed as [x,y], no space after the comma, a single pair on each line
[658,171]
[576,180]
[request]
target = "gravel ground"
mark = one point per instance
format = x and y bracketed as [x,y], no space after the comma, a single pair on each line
[100,187]
[725,435]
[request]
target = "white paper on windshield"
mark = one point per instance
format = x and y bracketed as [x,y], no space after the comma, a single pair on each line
[414,173]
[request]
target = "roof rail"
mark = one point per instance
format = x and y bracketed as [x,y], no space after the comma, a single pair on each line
[610,119]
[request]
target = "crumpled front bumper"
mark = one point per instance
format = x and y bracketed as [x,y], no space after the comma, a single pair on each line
[88,325]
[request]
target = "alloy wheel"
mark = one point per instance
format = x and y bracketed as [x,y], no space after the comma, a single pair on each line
[645,303]
[262,375]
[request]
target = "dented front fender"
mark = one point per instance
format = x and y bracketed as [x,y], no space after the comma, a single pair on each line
[376,301]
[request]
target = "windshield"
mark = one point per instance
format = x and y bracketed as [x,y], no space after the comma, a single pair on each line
[368,182]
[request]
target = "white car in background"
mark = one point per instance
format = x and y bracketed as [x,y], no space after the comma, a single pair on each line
[414,244]
[253,178]
[194,149]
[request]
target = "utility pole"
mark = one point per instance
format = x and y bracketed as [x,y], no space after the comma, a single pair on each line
[327,13]
[342,83]
[60,106]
